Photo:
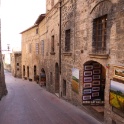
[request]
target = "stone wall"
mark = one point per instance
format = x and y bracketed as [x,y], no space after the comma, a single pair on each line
[52,57]
[78,16]
[30,53]
[16,65]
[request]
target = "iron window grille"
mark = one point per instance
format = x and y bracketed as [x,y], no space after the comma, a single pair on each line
[67,40]
[99,34]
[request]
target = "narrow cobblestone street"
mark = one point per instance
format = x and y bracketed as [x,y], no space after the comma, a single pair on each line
[28,103]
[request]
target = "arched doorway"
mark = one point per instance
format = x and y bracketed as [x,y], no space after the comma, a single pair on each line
[94,75]
[43,77]
[35,73]
[27,71]
[56,78]
[23,71]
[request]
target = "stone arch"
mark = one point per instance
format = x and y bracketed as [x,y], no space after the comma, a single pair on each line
[94,76]
[101,8]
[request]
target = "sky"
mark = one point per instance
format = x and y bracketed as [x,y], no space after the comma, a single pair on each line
[16,16]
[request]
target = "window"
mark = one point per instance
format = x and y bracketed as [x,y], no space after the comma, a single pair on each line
[67,40]
[52,44]
[37,31]
[37,48]
[30,48]
[99,33]
[17,64]
[42,48]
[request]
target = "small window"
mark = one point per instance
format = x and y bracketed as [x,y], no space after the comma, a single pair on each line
[17,69]
[99,33]
[52,44]
[37,48]
[42,48]
[67,40]
[37,31]
[17,64]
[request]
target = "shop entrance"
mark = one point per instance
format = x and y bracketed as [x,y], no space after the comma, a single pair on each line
[94,76]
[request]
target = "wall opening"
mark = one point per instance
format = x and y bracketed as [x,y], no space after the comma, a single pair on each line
[56,78]
[64,87]
[94,75]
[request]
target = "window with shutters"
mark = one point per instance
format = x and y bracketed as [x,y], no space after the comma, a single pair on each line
[52,44]
[67,40]
[37,48]
[42,47]
[99,34]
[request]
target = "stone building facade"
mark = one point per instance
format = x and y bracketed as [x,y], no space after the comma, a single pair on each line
[81,53]
[52,43]
[92,33]
[31,51]
[3,89]
[16,64]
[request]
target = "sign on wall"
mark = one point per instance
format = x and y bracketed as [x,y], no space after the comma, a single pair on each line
[117,95]
[75,80]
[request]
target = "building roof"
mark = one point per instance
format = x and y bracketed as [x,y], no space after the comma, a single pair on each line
[39,19]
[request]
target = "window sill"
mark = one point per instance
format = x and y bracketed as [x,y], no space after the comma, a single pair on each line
[67,53]
[100,56]
[52,53]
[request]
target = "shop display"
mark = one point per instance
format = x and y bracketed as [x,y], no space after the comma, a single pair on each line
[92,83]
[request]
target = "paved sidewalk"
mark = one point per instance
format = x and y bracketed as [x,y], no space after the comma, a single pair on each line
[28,103]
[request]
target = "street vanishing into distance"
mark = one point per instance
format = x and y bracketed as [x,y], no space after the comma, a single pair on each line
[28,103]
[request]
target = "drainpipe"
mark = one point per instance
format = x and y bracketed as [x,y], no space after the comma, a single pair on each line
[60,85]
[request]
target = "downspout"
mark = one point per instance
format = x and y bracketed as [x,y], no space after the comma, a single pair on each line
[60,85]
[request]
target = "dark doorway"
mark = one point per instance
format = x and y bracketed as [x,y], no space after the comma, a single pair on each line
[23,71]
[64,87]
[56,78]
[27,71]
